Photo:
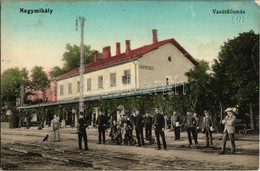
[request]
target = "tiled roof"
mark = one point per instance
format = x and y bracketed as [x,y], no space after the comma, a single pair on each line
[134,53]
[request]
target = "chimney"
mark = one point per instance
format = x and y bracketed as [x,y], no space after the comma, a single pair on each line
[118,51]
[127,47]
[155,39]
[95,56]
[106,52]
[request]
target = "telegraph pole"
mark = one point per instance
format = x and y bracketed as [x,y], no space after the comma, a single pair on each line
[81,103]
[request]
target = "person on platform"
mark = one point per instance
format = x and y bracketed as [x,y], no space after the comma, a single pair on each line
[113,127]
[207,128]
[229,130]
[196,125]
[139,128]
[190,128]
[82,133]
[101,124]
[175,122]
[148,123]
[159,126]
[55,129]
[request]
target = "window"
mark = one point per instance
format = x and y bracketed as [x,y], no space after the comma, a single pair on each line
[69,88]
[61,90]
[88,84]
[78,86]
[126,78]
[100,81]
[169,58]
[113,79]
[167,80]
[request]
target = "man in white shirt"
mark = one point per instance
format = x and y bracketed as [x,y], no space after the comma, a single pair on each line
[229,130]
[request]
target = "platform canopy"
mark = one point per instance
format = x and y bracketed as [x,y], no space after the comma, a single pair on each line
[170,89]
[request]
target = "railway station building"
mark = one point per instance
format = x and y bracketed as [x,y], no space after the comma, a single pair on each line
[156,68]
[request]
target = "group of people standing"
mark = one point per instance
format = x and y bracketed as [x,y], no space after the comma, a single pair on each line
[135,121]
[138,121]
[193,125]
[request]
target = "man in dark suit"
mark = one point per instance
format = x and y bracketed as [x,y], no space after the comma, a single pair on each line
[175,122]
[190,120]
[148,122]
[139,128]
[159,125]
[207,127]
[101,124]
[82,124]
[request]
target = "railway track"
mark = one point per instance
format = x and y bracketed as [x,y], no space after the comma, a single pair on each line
[31,153]
[92,159]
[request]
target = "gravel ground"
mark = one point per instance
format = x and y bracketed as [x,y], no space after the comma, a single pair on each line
[122,157]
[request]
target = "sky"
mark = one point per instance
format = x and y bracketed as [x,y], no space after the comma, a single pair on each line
[39,39]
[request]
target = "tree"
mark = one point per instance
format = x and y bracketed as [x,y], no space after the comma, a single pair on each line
[12,79]
[199,97]
[56,71]
[42,113]
[237,73]
[71,59]
[39,80]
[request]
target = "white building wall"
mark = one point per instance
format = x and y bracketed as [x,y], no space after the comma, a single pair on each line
[148,71]
[154,67]
[118,69]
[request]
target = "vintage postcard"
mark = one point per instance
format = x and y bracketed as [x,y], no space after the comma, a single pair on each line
[129,85]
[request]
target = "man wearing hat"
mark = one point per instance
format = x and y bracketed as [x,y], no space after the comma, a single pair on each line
[191,126]
[101,124]
[207,127]
[139,128]
[81,130]
[229,130]
[159,126]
